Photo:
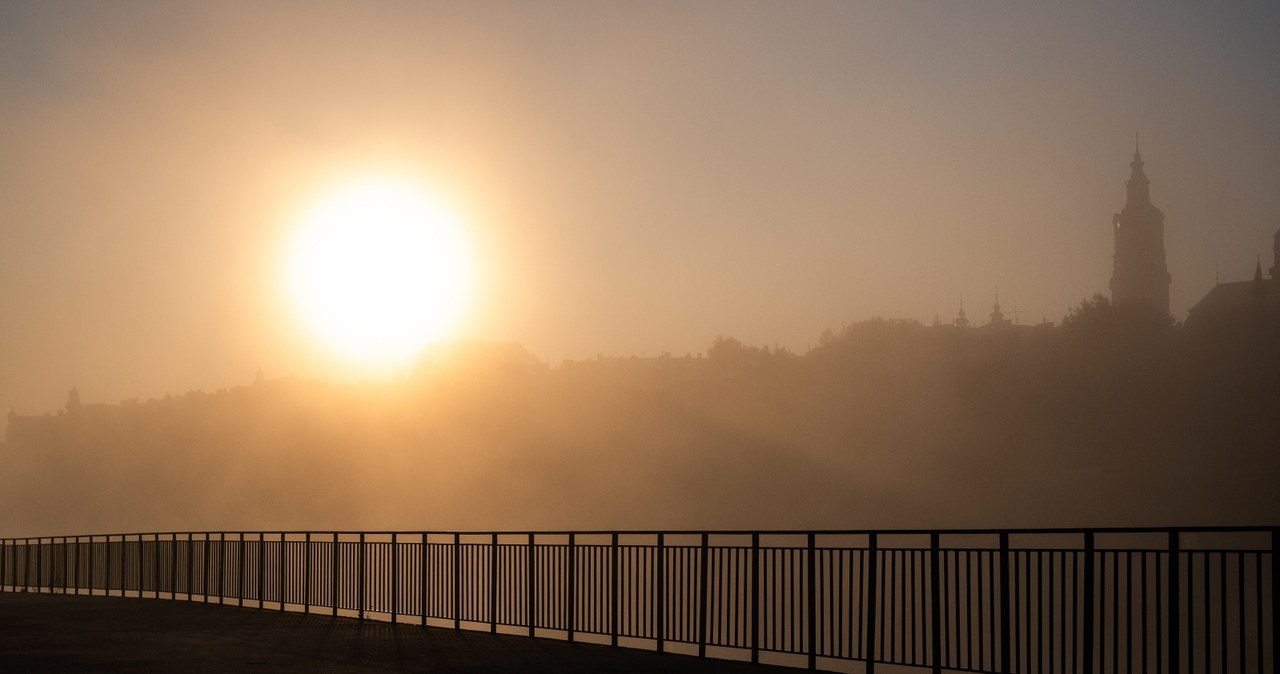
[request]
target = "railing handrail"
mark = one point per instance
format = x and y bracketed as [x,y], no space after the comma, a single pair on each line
[1250,528]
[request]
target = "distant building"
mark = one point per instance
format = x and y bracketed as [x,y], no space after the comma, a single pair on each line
[1140,274]
[961,321]
[998,321]
[1242,304]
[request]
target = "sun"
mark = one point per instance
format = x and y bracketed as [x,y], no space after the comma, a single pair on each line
[379,269]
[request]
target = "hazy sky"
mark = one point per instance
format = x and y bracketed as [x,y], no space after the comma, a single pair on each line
[635,177]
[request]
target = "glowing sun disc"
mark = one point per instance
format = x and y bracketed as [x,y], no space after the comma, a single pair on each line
[378,270]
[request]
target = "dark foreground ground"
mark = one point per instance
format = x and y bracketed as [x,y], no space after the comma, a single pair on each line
[62,633]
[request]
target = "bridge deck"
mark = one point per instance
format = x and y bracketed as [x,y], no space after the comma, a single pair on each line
[68,633]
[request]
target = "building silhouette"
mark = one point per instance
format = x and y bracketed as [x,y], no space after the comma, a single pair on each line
[1140,274]
[1242,304]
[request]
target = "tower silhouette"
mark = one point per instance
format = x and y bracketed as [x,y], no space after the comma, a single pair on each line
[1140,274]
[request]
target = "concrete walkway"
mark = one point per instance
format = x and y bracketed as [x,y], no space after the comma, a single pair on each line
[68,633]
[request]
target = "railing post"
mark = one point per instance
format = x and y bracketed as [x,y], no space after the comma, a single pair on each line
[533,586]
[173,567]
[872,564]
[571,585]
[107,569]
[1275,601]
[702,596]
[191,566]
[493,583]
[306,574]
[240,570]
[1006,605]
[262,568]
[1175,601]
[140,581]
[1087,654]
[337,560]
[613,590]
[395,577]
[661,617]
[935,601]
[284,547]
[755,598]
[155,566]
[812,600]
[422,584]
[222,567]
[360,573]
[457,581]
[75,564]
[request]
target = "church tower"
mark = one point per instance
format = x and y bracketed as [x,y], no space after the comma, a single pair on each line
[1140,274]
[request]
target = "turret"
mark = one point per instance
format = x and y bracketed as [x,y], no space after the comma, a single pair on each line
[1140,274]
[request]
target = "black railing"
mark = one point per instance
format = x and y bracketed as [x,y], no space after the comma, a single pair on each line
[1098,601]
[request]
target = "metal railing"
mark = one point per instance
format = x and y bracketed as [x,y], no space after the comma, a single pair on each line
[1099,601]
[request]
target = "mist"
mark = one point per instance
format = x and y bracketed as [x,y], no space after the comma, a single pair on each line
[1117,417]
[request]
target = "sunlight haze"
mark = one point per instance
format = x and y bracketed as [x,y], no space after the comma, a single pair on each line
[634,178]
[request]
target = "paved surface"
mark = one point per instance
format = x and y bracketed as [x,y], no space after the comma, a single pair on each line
[67,633]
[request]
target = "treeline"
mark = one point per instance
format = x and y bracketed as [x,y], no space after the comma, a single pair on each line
[1118,417]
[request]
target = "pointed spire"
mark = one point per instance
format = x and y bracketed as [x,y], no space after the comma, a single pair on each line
[1259,288]
[1138,185]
